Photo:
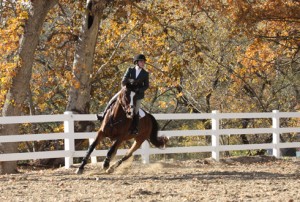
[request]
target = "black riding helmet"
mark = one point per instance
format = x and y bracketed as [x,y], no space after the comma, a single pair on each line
[138,58]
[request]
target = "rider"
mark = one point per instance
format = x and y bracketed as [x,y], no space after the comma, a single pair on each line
[140,76]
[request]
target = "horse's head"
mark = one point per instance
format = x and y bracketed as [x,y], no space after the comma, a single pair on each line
[127,100]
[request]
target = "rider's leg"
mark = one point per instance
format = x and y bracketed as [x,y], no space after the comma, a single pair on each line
[136,118]
[112,100]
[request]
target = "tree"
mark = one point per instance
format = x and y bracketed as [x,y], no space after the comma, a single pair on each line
[231,56]
[82,70]
[19,89]
[79,95]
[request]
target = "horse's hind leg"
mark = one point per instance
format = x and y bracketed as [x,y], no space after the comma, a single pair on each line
[110,154]
[133,148]
[88,154]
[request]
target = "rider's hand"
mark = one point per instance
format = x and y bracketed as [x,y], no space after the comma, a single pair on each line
[131,81]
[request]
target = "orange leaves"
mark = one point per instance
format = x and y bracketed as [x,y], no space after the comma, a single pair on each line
[179,95]
[162,104]
[12,22]
[258,57]
[10,37]
[271,20]
[76,84]
[188,43]
[68,76]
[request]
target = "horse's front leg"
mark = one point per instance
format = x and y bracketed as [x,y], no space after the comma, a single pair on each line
[88,154]
[111,154]
[133,148]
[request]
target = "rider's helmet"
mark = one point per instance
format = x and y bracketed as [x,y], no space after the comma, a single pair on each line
[138,58]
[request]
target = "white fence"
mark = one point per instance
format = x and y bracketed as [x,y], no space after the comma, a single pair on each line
[145,151]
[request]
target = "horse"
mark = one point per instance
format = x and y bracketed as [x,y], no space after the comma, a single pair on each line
[116,126]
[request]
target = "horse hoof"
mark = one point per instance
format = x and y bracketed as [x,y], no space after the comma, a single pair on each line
[110,170]
[79,171]
[105,165]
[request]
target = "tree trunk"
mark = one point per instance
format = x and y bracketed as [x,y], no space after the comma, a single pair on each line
[80,91]
[19,89]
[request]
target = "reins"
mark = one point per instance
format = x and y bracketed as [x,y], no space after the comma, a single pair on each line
[113,123]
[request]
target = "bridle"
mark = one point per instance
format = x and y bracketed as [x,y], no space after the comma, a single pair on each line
[127,102]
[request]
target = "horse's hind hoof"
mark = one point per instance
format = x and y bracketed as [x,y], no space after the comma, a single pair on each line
[79,171]
[110,170]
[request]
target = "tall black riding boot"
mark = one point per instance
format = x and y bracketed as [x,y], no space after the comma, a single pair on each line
[135,124]
[100,117]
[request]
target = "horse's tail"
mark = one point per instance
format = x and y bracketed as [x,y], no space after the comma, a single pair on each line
[159,142]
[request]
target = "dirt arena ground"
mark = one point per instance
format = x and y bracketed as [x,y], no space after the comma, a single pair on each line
[234,179]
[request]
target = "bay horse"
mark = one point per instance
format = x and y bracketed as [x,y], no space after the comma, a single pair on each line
[116,126]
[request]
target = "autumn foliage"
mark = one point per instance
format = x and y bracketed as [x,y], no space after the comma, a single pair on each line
[231,56]
[202,55]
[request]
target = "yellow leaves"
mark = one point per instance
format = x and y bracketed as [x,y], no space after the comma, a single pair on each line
[58,129]
[10,35]
[162,104]
[23,15]
[6,74]
[42,106]
[172,103]
[77,85]
[68,76]
[258,57]
[165,68]
[4,80]
[179,95]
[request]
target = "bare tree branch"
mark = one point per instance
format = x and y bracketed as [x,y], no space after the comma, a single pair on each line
[117,47]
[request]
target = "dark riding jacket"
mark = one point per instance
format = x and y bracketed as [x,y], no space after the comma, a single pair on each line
[142,81]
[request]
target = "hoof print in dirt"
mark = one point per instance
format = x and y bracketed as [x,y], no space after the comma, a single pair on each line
[110,170]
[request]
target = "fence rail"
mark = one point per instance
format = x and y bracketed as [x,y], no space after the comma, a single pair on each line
[145,151]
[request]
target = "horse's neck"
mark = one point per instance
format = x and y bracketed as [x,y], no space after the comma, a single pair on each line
[118,109]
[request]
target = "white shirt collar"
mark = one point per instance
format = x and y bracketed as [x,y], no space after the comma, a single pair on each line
[137,71]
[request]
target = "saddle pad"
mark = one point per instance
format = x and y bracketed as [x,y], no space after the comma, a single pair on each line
[142,113]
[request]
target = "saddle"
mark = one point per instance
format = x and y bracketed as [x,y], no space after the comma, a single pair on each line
[142,112]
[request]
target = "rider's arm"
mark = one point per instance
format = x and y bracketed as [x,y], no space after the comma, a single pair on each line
[126,77]
[145,83]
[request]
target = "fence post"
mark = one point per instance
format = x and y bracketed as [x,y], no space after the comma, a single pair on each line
[69,142]
[276,134]
[145,152]
[215,135]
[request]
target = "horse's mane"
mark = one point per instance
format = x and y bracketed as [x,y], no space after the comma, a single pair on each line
[121,95]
